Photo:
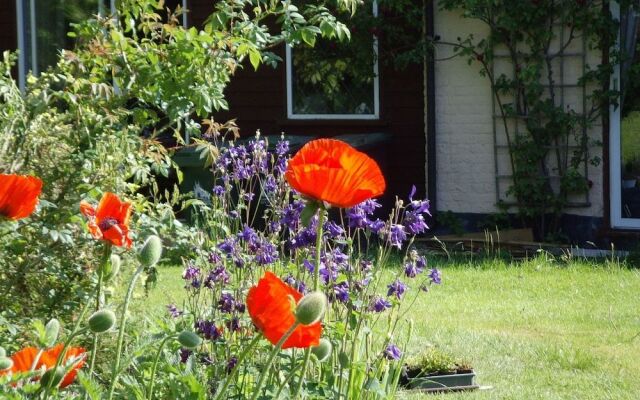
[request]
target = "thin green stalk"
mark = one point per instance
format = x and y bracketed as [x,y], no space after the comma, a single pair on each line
[294,369]
[103,263]
[272,356]
[75,332]
[316,284]
[155,365]
[246,351]
[123,321]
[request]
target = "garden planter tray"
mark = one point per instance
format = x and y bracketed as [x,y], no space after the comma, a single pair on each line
[463,380]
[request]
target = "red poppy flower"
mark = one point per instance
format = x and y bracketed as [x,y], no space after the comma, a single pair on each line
[331,171]
[18,195]
[271,307]
[110,221]
[23,360]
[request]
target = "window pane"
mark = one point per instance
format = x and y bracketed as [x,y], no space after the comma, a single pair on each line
[51,20]
[335,77]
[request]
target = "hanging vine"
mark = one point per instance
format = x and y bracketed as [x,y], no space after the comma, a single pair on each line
[548,158]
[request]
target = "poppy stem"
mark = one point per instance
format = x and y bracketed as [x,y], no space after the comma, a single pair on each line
[103,264]
[272,356]
[223,391]
[155,364]
[123,322]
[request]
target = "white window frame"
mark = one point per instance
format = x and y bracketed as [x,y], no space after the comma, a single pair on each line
[615,165]
[376,88]
[21,31]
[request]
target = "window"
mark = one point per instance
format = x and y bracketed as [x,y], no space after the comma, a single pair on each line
[624,143]
[336,80]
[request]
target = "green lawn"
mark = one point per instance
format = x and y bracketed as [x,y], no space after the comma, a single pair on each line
[536,330]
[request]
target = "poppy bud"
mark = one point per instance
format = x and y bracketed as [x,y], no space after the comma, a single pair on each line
[5,363]
[112,268]
[323,350]
[189,339]
[51,331]
[311,308]
[52,377]
[151,251]
[101,321]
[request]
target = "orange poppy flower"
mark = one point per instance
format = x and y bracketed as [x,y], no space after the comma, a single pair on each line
[18,195]
[270,305]
[23,360]
[110,221]
[331,171]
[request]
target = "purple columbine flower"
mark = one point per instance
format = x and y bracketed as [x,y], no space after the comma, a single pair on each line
[291,215]
[310,266]
[435,276]
[214,257]
[270,184]
[217,275]
[231,364]
[376,226]
[233,325]
[173,310]
[392,352]
[411,269]
[228,246]
[208,330]
[333,230]
[366,265]
[234,214]
[191,272]
[289,280]
[282,147]
[327,274]
[227,303]
[421,262]
[379,304]
[396,288]
[266,253]
[184,355]
[218,190]
[396,235]
[341,291]
[248,197]
[248,235]
[414,223]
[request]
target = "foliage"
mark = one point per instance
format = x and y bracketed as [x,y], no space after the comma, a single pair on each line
[432,361]
[548,156]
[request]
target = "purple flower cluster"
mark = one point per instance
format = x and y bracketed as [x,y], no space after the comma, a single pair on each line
[379,304]
[208,330]
[396,288]
[415,265]
[228,304]
[360,215]
[173,310]
[192,275]
[218,275]
[392,352]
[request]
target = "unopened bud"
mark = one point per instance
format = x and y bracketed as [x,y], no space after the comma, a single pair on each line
[51,331]
[311,308]
[189,339]
[101,321]
[5,363]
[151,251]
[52,377]
[323,350]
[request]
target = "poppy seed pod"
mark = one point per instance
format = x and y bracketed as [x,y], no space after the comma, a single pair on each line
[51,331]
[323,350]
[101,321]
[53,377]
[189,339]
[311,308]
[151,251]
[5,363]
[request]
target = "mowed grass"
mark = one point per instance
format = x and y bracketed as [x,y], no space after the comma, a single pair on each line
[538,329]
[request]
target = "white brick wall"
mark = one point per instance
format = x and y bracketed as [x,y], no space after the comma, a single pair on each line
[464,129]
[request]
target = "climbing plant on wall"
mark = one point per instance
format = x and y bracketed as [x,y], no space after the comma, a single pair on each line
[549,153]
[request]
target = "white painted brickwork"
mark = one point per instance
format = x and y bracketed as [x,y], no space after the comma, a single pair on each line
[464,129]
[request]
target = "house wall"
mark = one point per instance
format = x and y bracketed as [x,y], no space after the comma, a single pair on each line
[466,172]
[8,30]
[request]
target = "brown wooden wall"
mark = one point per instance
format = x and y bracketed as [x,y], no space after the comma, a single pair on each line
[8,29]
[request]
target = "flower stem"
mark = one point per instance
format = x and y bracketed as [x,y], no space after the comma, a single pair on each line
[123,321]
[272,356]
[103,263]
[316,284]
[223,391]
[155,365]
